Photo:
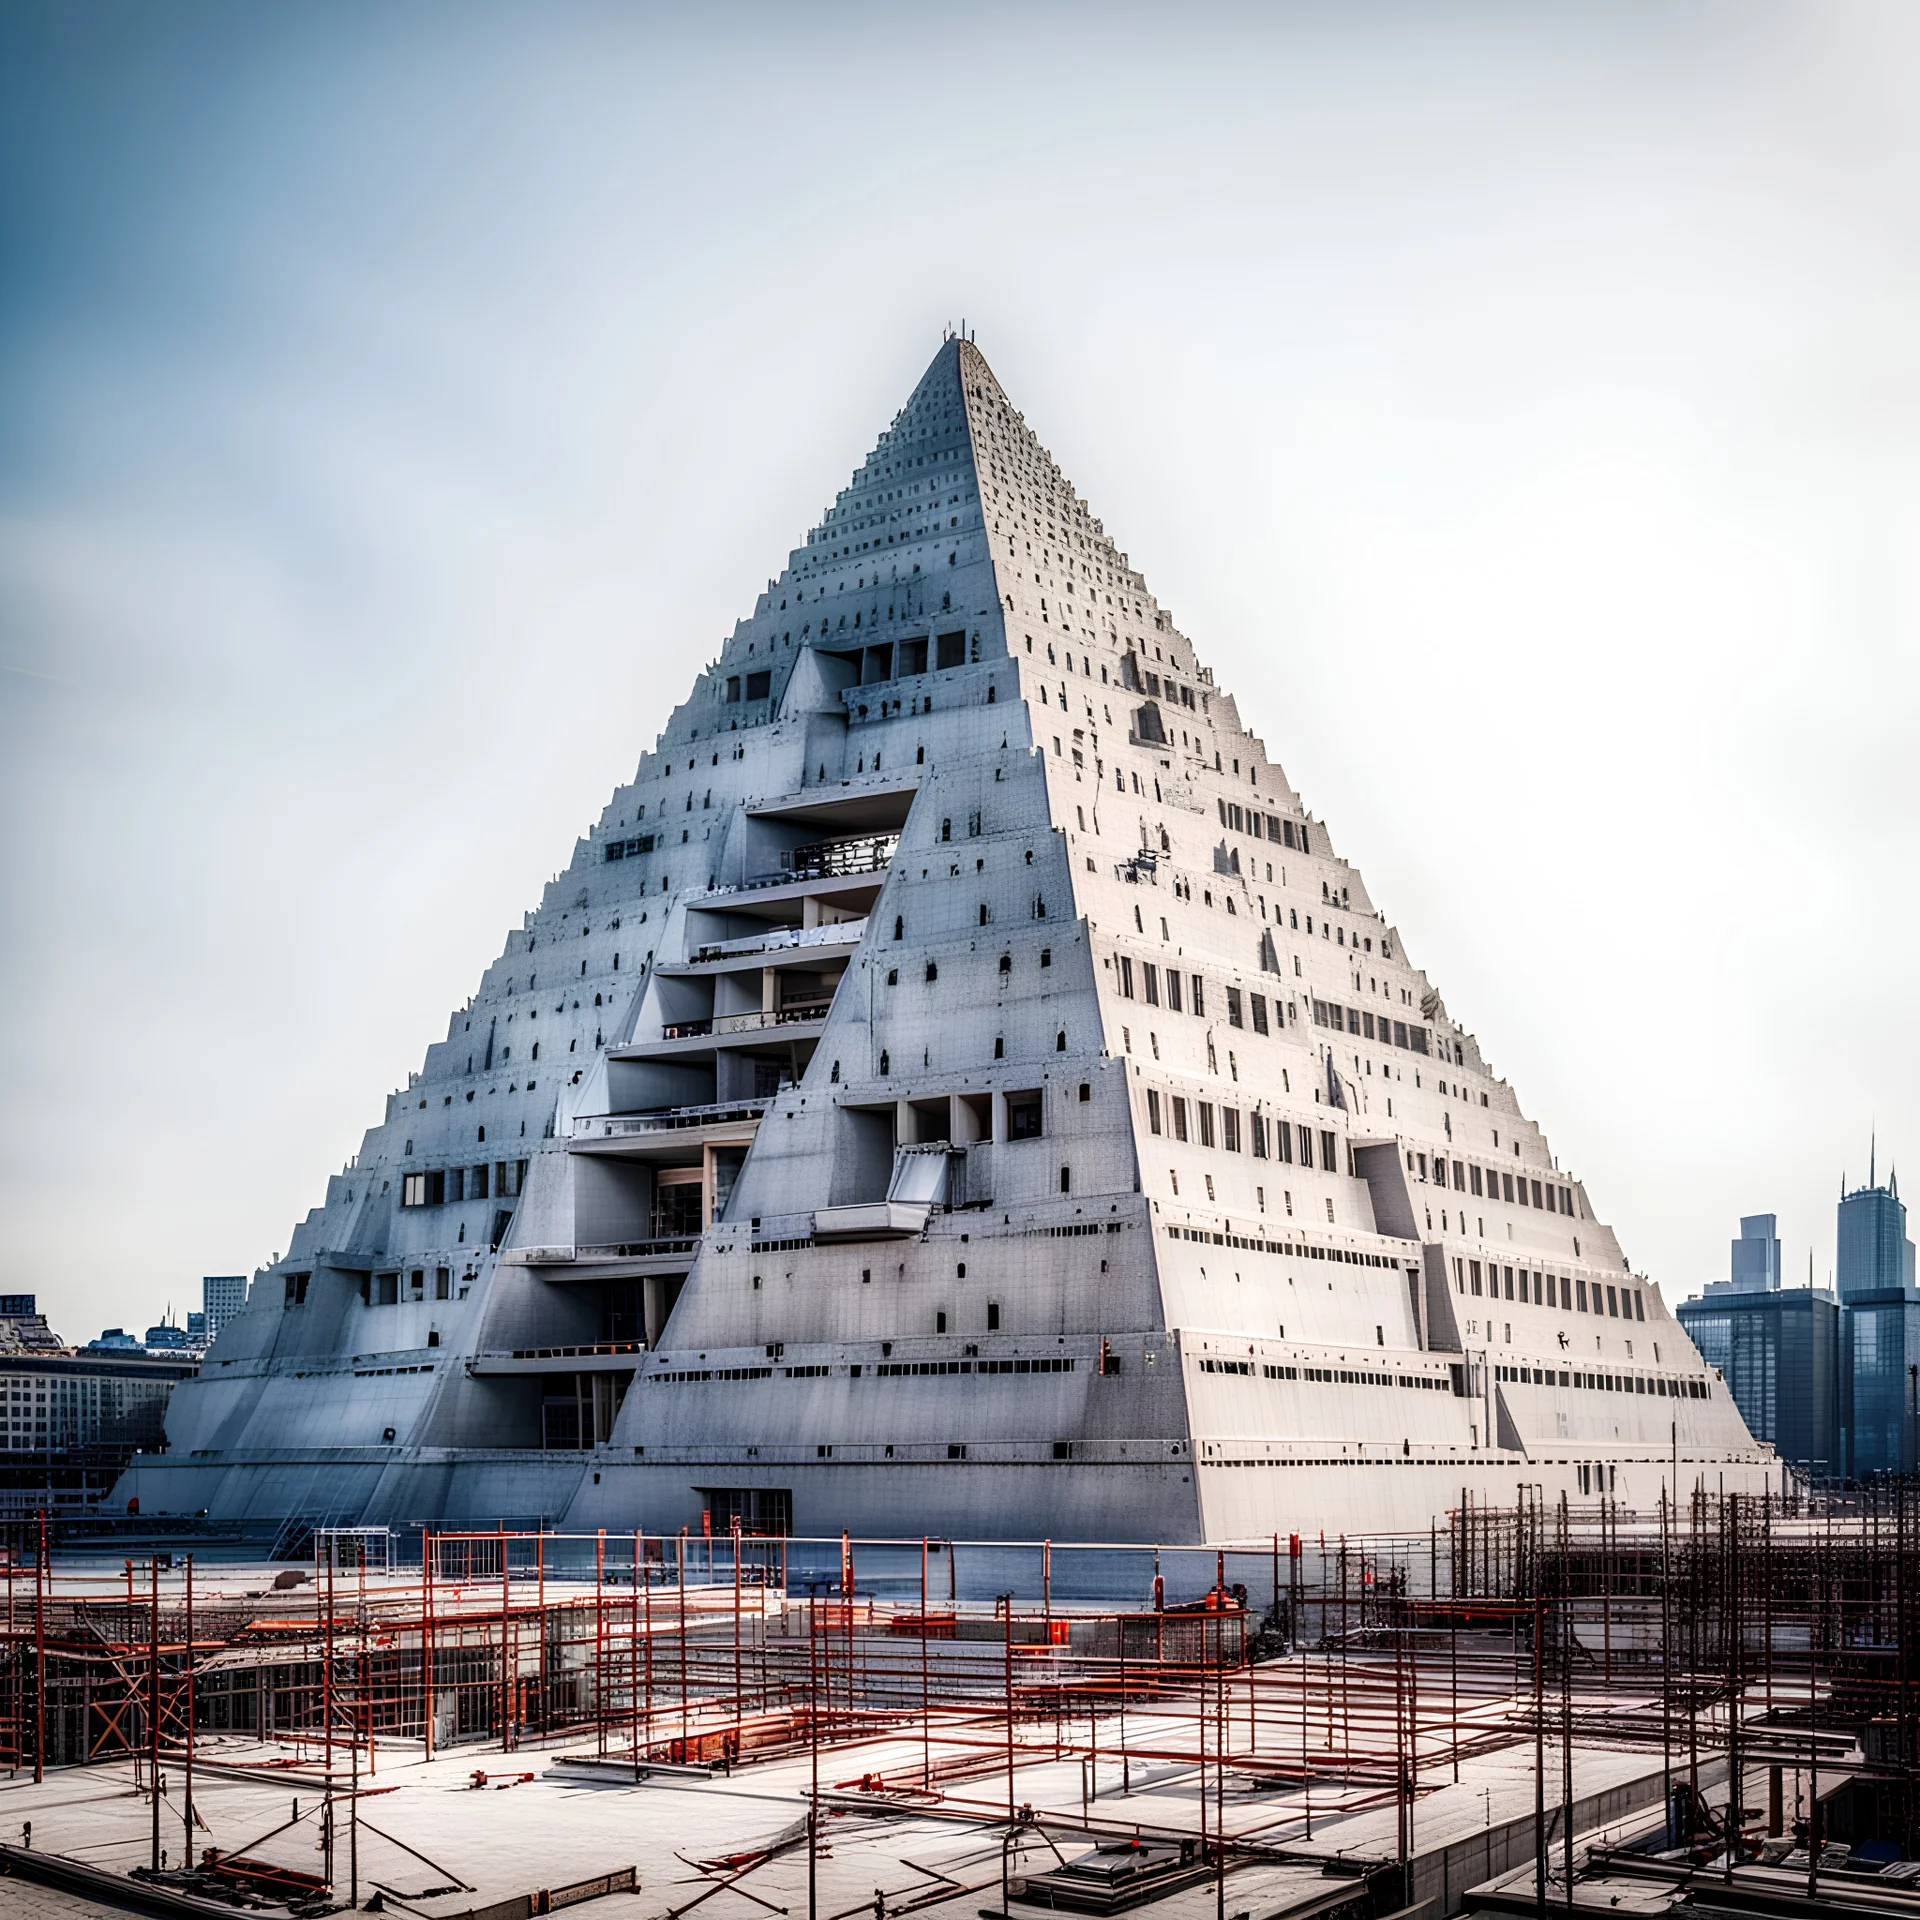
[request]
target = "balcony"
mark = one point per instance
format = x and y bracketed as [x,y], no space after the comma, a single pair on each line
[668,1120]
[608,1356]
[844,933]
[799,1013]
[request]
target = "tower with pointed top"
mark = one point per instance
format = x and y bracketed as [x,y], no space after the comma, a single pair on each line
[958,1085]
[1874,1273]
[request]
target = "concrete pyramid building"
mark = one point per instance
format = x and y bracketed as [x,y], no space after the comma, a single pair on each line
[958,1086]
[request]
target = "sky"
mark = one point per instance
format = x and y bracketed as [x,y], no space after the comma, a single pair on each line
[1516,406]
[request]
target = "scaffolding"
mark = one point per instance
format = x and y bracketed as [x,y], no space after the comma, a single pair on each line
[1740,1640]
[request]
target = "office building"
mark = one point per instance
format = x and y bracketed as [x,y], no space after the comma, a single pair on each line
[222,1295]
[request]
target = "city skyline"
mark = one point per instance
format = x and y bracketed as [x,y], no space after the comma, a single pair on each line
[1552,377]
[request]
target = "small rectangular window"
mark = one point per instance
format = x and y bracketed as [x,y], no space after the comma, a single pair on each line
[1473,1273]
[1257,1004]
[733,687]
[1150,979]
[1506,1186]
[759,685]
[1173,991]
[1126,977]
[1230,1129]
[1179,1117]
[1329,1153]
[1259,1131]
[1200,998]
[413,1190]
[1153,1110]
[1206,1122]
[1023,1116]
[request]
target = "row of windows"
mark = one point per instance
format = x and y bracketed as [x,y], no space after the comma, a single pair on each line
[384,1289]
[1565,1291]
[1269,1140]
[1604,1382]
[885,1370]
[630,849]
[758,685]
[446,1185]
[1305,1250]
[1357,1021]
[1183,992]
[1267,826]
[1140,681]
[1497,1183]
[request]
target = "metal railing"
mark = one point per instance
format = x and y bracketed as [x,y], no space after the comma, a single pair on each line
[638,1249]
[781,939]
[667,1119]
[794,1014]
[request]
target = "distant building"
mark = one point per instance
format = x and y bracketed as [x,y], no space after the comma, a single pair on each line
[1874,1253]
[70,1422]
[1756,1254]
[114,1340]
[1779,1350]
[1874,1270]
[167,1338]
[222,1296]
[23,1328]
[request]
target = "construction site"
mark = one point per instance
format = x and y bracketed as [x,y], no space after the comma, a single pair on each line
[1536,1707]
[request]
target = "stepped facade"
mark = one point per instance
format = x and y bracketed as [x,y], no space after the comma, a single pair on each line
[958,1086]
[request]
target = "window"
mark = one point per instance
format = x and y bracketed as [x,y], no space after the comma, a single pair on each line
[1233,1007]
[1206,1122]
[1179,1117]
[1230,1129]
[1023,1116]
[1259,1130]
[1150,979]
[1126,977]
[1173,991]
[1153,1110]
[1330,1153]
[993,1316]
[1200,998]
[759,685]
[1257,1002]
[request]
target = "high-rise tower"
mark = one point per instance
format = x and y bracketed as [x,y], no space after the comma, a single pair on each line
[957,1085]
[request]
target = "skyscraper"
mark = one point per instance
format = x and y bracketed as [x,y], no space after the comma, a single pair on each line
[1756,1254]
[1873,1254]
[1874,1267]
[957,1084]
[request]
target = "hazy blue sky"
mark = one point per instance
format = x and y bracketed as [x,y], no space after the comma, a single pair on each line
[1517,406]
